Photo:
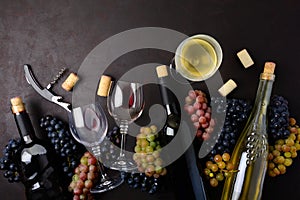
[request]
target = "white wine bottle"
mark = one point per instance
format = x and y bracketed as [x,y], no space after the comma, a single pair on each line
[250,153]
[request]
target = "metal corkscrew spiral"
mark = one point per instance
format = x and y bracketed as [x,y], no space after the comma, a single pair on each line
[56,78]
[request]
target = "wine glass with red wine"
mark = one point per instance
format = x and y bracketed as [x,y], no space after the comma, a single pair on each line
[125,104]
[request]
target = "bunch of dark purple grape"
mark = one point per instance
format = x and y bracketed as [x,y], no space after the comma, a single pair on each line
[10,162]
[278,114]
[237,111]
[63,143]
[145,183]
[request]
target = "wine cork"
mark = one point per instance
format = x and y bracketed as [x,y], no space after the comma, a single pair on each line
[269,67]
[16,101]
[70,82]
[227,87]
[245,58]
[162,71]
[104,86]
[268,73]
[17,104]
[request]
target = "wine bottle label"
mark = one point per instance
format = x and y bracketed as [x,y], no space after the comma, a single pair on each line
[33,151]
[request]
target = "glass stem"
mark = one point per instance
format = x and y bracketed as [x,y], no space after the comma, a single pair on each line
[123,131]
[102,172]
[96,152]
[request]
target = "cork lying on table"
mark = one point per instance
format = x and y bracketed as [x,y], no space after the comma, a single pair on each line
[227,87]
[104,86]
[245,58]
[70,82]
[161,71]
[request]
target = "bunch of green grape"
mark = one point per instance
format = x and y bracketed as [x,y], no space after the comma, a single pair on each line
[218,169]
[281,154]
[147,152]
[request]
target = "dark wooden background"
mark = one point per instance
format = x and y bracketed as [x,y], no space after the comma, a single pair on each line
[50,35]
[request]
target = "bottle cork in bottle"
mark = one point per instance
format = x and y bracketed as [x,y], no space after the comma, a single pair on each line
[104,86]
[70,82]
[269,67]
[17,105]
[161,71]
[268,73]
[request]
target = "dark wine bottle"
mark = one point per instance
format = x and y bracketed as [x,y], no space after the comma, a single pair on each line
[170,103]
[185,166]
[39,176]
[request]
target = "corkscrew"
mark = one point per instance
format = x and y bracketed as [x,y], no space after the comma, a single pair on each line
[47,94]
[44,92]
[56,78]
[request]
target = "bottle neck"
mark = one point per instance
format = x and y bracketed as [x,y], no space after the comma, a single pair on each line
[25,127]
[169,99]
[263,95]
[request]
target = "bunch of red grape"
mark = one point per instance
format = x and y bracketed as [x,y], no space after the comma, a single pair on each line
[281,154]
[218,169]
[84,178]
[196,105]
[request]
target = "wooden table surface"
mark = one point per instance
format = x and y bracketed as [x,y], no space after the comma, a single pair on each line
[50,35]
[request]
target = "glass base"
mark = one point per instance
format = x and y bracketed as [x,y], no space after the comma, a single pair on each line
[124,165]
[108,184]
